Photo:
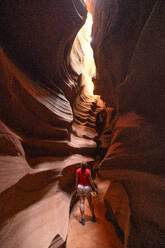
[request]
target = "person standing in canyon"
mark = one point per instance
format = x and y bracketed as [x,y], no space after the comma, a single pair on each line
[84,186]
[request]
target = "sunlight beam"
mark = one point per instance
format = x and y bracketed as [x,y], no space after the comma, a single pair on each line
[87,65]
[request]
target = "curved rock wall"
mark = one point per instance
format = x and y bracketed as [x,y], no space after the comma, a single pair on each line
[31,34]
[38,86]
[38,89]
[130,57]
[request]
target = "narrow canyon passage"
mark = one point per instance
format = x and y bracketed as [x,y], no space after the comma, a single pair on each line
[103,232]
[59,107]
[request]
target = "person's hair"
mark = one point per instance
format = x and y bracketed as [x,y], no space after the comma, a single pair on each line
[83,166]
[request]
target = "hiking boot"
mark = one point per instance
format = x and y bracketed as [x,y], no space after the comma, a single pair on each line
[82,222]
[93,218]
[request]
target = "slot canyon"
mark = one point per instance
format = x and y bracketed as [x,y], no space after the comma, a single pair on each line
[82,81]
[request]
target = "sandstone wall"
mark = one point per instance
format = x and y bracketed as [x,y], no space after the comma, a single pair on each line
[38,88]
[128,41]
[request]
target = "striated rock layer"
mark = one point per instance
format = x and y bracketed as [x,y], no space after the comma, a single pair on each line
[38,86]
[38,89]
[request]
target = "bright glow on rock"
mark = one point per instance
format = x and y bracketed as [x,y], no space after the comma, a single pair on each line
[88,64]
